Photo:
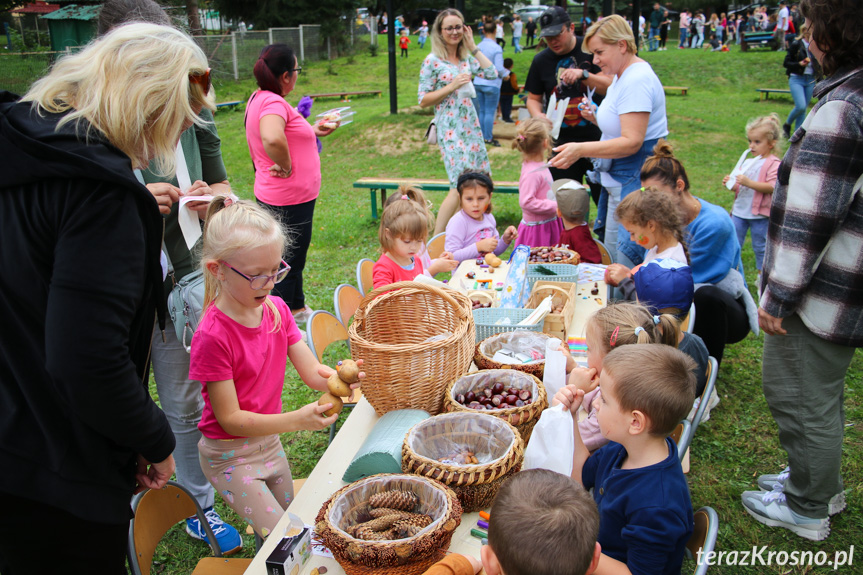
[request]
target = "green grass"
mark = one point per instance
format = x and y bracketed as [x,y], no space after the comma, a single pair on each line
[707,129]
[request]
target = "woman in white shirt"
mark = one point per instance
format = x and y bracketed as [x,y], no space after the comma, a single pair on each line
[632,119]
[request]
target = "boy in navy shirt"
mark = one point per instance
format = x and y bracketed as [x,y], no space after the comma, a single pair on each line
[645,514]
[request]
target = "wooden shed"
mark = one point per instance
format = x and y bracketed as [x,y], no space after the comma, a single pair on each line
[72,25]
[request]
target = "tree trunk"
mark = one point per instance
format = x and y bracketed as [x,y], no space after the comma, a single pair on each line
[194,18]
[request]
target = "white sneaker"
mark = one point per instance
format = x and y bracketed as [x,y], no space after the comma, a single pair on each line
[712,402]
[776,482]
[770,508]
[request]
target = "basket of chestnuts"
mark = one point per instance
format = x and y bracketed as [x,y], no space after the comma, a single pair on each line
[553,255]
[514,396]
[471,453]
[526,351]
[389,524]
[415,339]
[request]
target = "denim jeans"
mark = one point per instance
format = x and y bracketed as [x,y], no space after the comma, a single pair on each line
[652,41]
[698,40]
[486,107]
[684,33]
[759,235]
[801,86]
[181,400]
[515,43]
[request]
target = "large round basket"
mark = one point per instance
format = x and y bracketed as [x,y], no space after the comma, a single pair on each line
[565,255]
[349,506]
[523,418]
[439,448]
[415,339]
[486,349]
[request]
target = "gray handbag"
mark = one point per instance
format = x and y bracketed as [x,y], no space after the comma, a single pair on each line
[431,132]
[186,304]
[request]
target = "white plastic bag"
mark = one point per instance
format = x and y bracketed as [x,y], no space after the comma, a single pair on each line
[554,376]
[552,442]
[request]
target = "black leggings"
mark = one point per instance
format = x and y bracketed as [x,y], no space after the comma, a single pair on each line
[719,319]
[80,546]
[298,221]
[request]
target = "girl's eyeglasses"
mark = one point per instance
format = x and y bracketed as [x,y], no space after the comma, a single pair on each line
[260,282]
[453,29]
[298,70]
[203,80]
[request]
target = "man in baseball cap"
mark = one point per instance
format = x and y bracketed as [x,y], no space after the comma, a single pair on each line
[564,70]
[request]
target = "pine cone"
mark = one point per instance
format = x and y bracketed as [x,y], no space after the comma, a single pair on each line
[416,519]
[384,511]
[404,500]
[406,531]
[379,524]
[370,534]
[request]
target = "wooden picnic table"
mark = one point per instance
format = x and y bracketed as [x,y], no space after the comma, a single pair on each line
[427,185]
[326,477]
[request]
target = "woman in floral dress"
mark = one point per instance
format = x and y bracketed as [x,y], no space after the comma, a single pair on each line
[454,59]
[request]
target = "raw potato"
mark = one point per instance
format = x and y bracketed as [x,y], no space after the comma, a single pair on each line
[336,386]
[490,257]
[495,262]
[348,370]
[335,400]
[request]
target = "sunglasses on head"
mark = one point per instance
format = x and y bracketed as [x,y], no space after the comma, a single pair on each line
[203,80]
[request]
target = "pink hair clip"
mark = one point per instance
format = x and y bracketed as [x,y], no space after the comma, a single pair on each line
[521,137]
[405,197]
[613,339]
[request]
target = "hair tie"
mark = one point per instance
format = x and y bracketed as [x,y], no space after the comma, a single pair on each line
[638,330]
[656,320]
[521,137]
[613,339]
[404,197]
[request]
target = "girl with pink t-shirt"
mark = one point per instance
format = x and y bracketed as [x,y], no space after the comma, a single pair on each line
[540,225]
[239,354]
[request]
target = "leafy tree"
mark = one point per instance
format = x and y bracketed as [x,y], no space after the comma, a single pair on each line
[278,13]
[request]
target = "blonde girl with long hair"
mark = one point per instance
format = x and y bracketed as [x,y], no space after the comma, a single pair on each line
[444,77]
[239,354]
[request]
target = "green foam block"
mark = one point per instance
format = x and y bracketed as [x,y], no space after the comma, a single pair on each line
[382,450]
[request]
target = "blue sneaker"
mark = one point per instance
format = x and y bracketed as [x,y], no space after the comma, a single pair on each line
[227,538]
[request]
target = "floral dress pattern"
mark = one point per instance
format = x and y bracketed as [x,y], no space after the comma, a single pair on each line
[458,132]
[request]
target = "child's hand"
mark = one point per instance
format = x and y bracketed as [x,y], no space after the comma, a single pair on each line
[584,378]
[570,397]
[326,371]
[311,417]
[486,245]
[445,263]
[510,234]
[725,180]
[744,181]
[615,273]
[570,361]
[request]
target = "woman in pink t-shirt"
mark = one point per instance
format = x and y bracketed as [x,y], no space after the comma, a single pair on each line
[279,139]
[239,354]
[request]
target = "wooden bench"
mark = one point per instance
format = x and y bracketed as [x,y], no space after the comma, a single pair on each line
[343,95]
[231,105]
[386,184]
[765,92]
[683,89]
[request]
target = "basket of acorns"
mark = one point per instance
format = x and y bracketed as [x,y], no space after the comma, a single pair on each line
[527,349]
[389,524]
[339,386]
[471,453]
[514,396]
[553,255]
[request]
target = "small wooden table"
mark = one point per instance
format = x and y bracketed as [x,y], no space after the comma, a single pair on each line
[326,477]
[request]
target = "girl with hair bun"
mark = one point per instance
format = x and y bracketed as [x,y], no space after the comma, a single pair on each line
[284,152]
[725,310]
[540,225]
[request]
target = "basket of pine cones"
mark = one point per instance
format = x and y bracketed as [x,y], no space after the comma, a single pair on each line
[471,453]
[389,524]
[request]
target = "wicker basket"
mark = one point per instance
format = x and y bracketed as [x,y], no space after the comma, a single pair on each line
[391,331]
[563,294]
[496,444]
[523,418]
[562,273]
[484,296]
[412,556]
[486,349]
[485,320]
[573,259]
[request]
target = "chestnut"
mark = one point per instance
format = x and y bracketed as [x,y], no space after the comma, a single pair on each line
[519,403]
[470,396]
[496,400]
[460,398]
[524,394]
[487,392]
[485,400]
[474,405]
[497,388]
[511,399]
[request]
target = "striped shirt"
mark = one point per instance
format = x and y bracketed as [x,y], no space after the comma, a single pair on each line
[814,260]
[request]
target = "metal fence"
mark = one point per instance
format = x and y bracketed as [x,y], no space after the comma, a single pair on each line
[231,56]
